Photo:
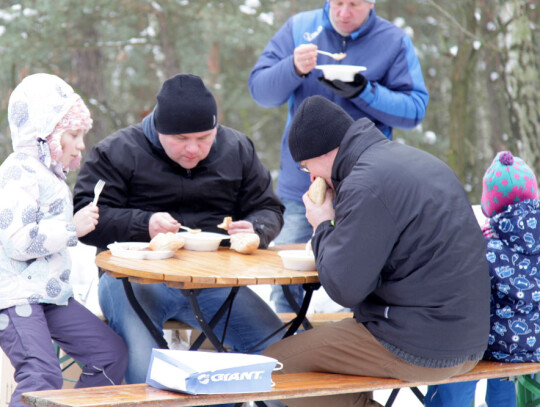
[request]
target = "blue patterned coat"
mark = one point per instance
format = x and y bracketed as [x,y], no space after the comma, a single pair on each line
[515,284]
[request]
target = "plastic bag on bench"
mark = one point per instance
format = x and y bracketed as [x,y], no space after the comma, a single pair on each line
[198,372]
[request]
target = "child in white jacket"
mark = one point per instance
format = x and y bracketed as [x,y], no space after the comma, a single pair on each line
[48,122]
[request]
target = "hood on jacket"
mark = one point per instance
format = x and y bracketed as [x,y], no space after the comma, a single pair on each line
[35,107]
[518,226]
[357,139]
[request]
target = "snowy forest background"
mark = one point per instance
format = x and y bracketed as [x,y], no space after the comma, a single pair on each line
[479,59]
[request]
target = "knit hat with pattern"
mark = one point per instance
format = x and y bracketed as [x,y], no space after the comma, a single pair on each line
[507,180]
[77,118]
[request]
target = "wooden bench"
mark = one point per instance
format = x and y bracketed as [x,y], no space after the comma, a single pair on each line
[315,319]
[288,386]
[66,362]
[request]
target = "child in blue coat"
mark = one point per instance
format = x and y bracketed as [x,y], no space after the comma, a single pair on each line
[510,201]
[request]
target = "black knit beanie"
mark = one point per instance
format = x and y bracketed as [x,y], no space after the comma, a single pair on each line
[185,105]
[317,128]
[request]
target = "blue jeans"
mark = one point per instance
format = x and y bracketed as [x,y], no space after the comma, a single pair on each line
[296,229]
[499,393]
[251,319]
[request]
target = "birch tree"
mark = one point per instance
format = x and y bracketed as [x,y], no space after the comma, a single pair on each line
[521,78]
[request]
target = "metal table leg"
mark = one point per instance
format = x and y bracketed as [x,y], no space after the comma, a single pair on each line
[207,327]
[156,334]
[301,313]
[394,393]
[294,305]
[296,321]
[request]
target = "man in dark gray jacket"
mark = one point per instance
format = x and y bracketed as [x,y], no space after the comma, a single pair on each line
[179,166]
[400,245]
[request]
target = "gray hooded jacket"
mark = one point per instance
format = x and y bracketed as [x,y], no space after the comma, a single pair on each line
[406,252]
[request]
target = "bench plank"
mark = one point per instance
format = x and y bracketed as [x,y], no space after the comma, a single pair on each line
[292,385]
[315,319]
[319,318]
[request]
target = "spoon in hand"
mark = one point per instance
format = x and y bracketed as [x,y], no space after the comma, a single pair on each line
[190,230]
[337,57]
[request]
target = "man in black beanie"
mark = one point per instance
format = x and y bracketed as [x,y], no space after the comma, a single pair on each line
[179,167]
[400,245]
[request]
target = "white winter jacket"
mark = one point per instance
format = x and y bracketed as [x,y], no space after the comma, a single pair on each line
[36,207]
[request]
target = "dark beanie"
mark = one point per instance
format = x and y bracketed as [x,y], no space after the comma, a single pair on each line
[317,128]
[185,105]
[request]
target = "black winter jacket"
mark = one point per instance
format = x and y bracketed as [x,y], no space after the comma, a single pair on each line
[141,180]
[406,252]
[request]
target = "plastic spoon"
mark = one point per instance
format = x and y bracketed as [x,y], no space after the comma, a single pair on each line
[337,56]
[190,230]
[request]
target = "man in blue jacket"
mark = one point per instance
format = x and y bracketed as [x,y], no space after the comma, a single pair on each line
[400,245]
[391,92]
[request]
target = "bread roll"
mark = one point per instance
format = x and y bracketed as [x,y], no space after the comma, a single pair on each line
[166,241]
[317,191]
[225,224]
[245,243]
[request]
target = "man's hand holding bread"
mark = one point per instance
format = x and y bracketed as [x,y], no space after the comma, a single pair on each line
[243,237]
[318,202]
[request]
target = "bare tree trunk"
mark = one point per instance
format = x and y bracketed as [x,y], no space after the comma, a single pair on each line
[462,109]
[171,63]
[522,82]
[214,70]
[87,79]
[497,128]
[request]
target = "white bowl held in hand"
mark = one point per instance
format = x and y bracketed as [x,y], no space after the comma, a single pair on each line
[203,241]
[344,73]
[298,259]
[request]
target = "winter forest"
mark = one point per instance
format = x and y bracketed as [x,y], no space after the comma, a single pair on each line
[479,59]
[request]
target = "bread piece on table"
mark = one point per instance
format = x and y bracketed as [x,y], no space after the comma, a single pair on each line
[166,241]
[245,243]
[225,224]
[317,191]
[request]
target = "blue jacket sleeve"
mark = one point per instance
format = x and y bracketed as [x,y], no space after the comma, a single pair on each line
[273,78]
[402,102]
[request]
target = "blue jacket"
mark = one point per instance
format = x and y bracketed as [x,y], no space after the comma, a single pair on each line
[395,95]
[515,284]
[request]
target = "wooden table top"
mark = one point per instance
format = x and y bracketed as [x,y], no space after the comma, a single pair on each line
[221,268]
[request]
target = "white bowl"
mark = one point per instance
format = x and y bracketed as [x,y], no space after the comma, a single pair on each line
[202,241]
[344,73]
[298,259]
[138,250]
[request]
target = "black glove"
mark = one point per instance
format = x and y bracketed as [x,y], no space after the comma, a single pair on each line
[346,89]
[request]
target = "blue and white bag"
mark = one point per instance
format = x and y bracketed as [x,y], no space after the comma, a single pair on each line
[197,372]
